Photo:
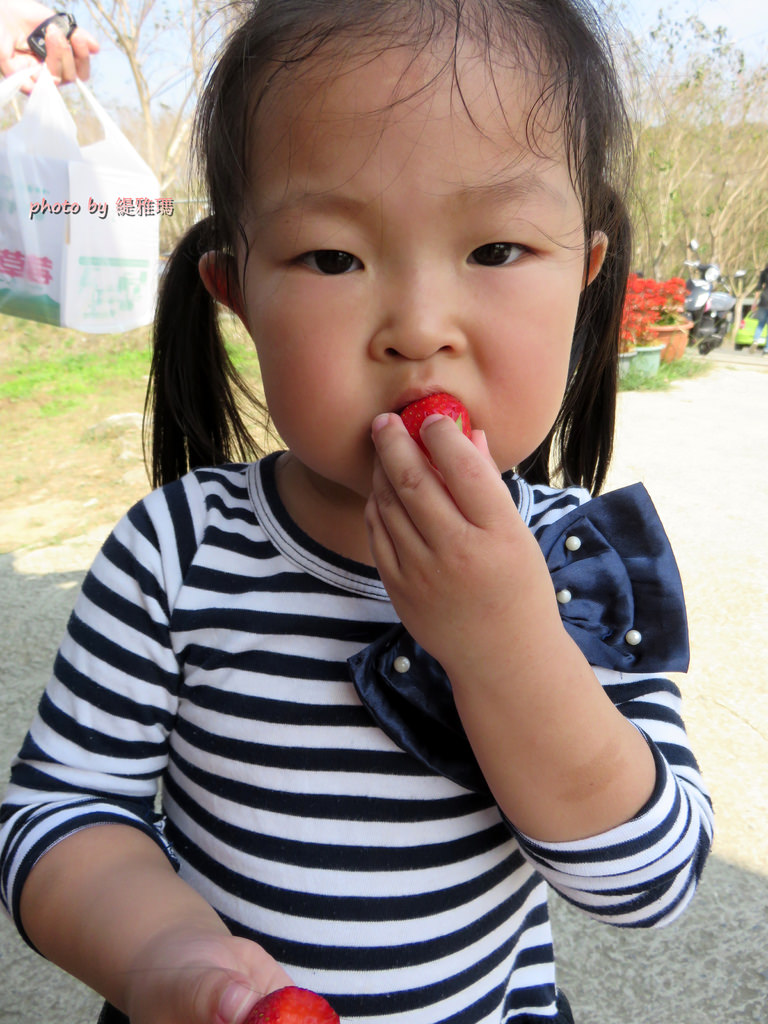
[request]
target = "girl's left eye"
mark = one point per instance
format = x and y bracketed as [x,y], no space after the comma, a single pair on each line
[496,254]
[330,261]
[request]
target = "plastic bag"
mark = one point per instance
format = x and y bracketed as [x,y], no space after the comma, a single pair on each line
[79,237]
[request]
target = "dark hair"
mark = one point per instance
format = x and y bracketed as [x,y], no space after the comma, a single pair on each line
[193,386]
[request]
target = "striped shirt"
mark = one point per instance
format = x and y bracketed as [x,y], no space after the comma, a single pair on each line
[207,656]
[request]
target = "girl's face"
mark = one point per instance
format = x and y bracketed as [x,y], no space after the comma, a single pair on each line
[400,249]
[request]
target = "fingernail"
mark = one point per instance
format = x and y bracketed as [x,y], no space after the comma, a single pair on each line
[234,1000]
[432,418]
[379,422]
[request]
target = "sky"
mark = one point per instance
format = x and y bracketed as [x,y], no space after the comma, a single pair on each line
[745,20]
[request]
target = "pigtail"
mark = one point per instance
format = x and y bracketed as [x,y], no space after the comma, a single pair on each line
[192,414]
[589,412]
[580,444]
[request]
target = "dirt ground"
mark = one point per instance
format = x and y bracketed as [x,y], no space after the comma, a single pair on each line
[71,471]
[66,474]
[700,449]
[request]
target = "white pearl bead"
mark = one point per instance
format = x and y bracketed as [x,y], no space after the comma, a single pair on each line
[402,664]
[564,596]
[572,543]
[633,637]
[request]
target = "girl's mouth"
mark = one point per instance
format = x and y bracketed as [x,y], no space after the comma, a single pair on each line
[443,404]
[416,395]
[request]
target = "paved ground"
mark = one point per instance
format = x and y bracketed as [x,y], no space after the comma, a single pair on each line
[701,451]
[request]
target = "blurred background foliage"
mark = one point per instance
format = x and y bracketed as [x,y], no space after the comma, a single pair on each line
[699,110]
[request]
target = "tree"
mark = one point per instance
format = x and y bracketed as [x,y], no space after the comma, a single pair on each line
[701,160]
[166,46]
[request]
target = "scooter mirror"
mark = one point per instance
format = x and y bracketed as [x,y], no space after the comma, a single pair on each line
[693,244]
[740,273]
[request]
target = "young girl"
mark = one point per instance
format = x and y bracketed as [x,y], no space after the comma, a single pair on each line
[388,700]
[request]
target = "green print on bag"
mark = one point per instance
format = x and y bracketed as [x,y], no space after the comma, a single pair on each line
[63,261]
[113,286]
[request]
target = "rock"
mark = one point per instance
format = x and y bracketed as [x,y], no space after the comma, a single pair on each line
[115,426]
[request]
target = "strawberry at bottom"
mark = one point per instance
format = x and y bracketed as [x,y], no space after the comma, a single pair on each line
[292,1005]
[413,415]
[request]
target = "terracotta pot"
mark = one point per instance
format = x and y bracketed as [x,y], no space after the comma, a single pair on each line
[674,338]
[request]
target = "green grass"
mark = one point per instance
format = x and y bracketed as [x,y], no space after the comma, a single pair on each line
[669,373]
[65,379]
[62,370]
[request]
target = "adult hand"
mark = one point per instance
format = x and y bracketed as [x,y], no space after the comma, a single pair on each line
[66,59]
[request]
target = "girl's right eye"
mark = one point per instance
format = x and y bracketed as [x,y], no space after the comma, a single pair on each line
[330,261]
[497,254]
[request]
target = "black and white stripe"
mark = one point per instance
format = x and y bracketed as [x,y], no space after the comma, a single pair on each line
[207,654]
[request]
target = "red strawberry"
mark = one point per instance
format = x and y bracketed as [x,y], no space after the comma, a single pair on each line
[413,415]
[292,1005]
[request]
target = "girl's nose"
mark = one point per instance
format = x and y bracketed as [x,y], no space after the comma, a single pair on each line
[419,320]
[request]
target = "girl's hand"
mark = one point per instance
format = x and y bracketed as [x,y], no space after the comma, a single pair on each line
[469,582]
[106,905]
[200,979]
[462,570]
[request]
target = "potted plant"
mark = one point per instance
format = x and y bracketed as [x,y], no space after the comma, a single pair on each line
[653,321]
[631,327]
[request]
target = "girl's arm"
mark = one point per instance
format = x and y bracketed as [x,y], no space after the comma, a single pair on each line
[470,583]
[591,767]
[104,901]
[106,905]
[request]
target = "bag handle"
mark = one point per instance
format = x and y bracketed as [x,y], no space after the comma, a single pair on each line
[13,83]
[113,136]
[47,127]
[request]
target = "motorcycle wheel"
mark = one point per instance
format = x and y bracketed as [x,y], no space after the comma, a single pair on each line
[705,347]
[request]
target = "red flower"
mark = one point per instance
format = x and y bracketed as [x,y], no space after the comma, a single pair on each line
[649,303]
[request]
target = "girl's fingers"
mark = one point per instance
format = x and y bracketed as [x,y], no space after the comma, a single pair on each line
[395,534]
[383,549]
[470,474]
[411,498]
[468,477]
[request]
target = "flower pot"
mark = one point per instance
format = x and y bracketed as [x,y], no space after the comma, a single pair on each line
[674,338]
[625,362]
[647,360]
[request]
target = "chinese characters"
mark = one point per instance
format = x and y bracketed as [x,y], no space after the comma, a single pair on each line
[125,206]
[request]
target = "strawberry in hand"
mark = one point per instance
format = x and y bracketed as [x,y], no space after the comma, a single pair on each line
[292,1005]
[413,415]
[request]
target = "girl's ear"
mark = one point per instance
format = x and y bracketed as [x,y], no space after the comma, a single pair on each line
[219,276]
[598,247]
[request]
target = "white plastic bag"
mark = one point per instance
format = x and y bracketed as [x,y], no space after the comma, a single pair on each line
[79,234]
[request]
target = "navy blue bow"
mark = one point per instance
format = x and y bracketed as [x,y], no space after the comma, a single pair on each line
[620,598]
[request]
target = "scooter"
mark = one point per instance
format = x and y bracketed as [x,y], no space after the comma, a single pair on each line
[710,310]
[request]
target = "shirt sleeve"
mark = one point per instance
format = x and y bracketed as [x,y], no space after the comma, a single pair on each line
[98,744]
[642,873]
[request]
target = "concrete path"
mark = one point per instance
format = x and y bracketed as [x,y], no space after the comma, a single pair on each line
[701,450]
